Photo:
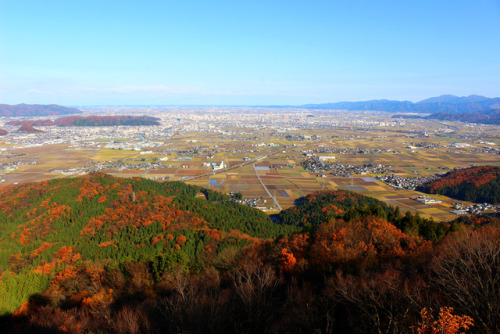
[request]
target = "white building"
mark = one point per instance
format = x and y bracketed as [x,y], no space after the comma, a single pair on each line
[214,165]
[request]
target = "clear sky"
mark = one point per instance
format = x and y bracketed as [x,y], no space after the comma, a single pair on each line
[241,52]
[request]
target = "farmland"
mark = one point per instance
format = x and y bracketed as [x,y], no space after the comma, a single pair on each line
[262,150]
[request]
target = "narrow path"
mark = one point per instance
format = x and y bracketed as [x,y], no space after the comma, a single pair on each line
[267,190]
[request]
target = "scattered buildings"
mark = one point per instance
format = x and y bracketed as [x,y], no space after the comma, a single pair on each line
[425,199]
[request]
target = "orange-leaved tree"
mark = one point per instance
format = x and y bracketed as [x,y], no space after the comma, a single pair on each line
[446,323]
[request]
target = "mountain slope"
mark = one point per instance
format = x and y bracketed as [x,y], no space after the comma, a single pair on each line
[481,116]
[99,254]
[454,99]
[476,184]
[26,128]
[444,103]
[36,110]
[47,226]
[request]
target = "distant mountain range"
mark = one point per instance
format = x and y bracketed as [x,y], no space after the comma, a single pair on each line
[441,104]
[481,116]
[36,110]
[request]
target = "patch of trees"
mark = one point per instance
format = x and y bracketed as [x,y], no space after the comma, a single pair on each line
[476,184]
[321,207]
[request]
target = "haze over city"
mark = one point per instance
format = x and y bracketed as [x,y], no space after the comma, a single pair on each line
[245,53]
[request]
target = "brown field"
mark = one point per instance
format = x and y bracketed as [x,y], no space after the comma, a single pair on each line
[287,183]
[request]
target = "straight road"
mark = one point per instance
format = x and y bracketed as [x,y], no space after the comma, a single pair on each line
[267,190]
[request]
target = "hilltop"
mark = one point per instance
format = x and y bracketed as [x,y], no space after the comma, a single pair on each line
[36,110]
[26,128]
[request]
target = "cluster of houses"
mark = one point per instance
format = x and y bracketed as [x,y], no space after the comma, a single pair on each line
[316,164]
[252,202]
[462,209]
[488,150]
[424,145]
[354,151]
[10,166]
[409,183]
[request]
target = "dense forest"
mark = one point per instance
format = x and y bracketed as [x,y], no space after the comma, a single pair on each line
[476,184]
[101,254]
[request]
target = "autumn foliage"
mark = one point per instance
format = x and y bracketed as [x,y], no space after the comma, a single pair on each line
[476,184]
[98,253]
[446,323]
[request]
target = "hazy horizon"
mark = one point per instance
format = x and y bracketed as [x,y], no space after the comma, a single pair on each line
[246,54]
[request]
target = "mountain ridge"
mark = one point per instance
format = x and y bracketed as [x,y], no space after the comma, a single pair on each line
[443,103]
[23,109]
[491,116]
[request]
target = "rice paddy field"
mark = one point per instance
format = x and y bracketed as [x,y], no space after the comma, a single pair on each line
[266,165]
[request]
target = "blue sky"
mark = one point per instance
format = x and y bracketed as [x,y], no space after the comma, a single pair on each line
[246,52]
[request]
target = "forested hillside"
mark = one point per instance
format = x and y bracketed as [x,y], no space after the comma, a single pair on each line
[476,184]
[50,225]
[100,254]
[321,207]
